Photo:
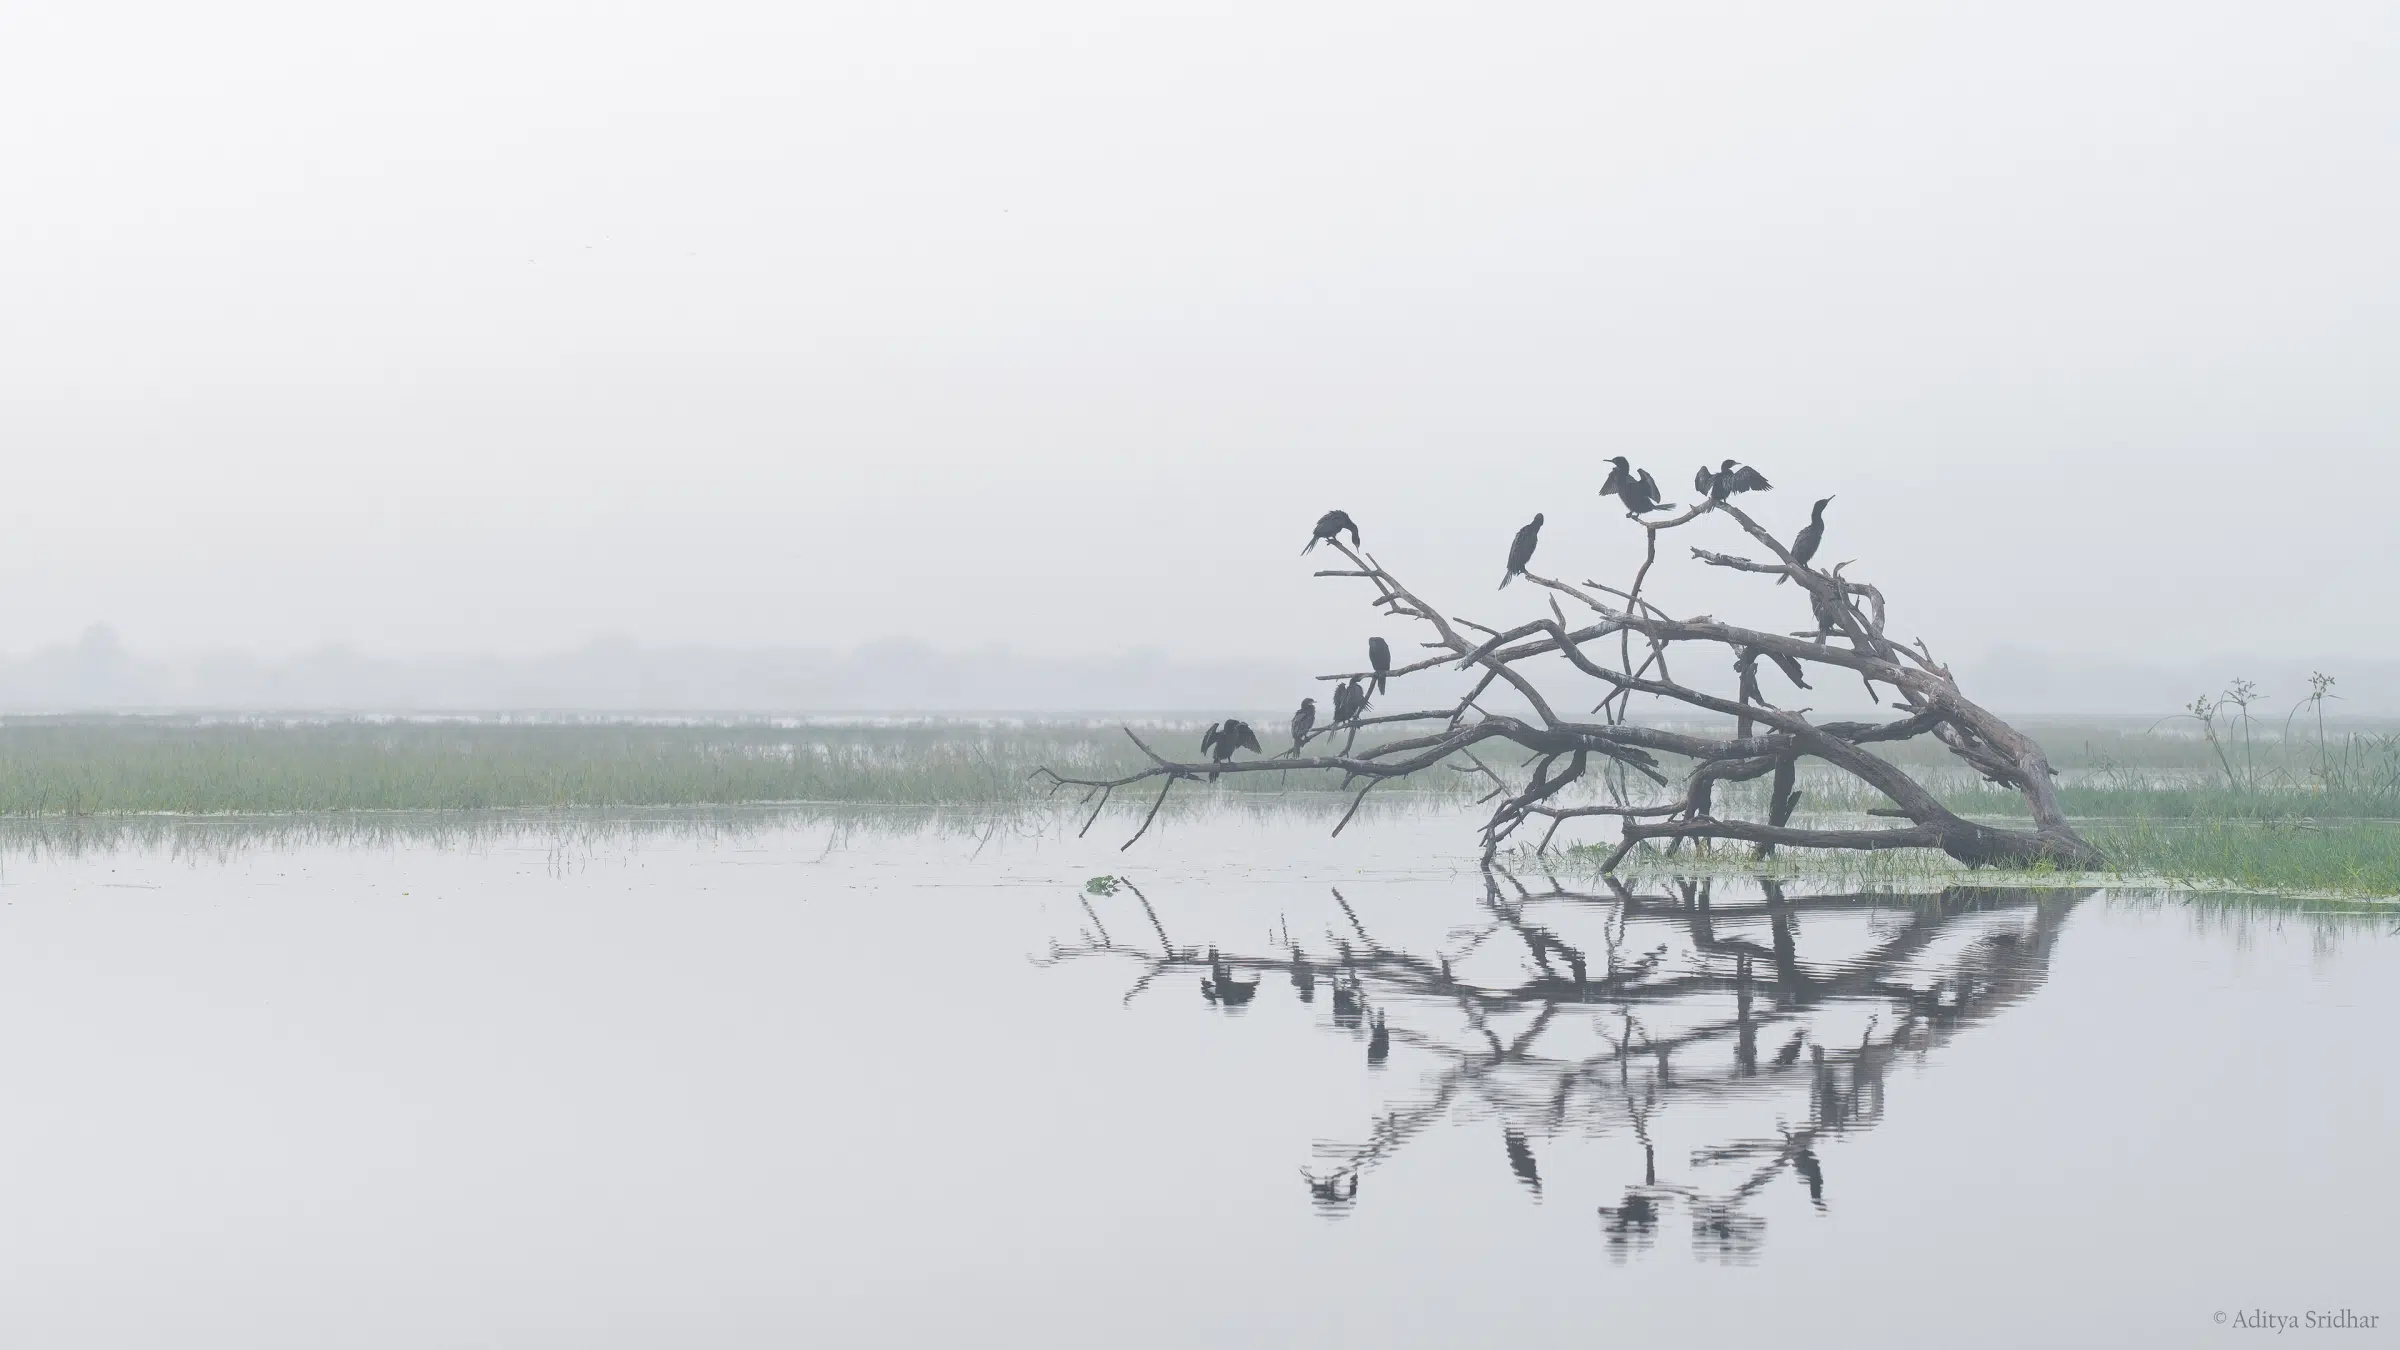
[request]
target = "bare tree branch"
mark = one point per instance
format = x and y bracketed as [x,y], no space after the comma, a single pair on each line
[1849,636]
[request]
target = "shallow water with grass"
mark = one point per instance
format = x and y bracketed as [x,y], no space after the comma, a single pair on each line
[866,1077]
[2301,816]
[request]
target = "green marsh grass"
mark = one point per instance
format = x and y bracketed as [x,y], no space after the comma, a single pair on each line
[2153,804]
[136,765]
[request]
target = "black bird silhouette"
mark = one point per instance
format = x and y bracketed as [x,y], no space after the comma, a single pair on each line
[1828,612]
[1804,544]
[1357,690]
[1520,1160]
[1379,1042]
[1728,479]
[1330,527]
[1231,993]
[1328,1190]
[1735,477]
[1305,721]
[1812,1172]
[1341,704]
[1639,492]
[1520,552]
[1620,478]
[1379,656]
[1790,1053]
[1219,986]
[1304,977]
[1223,738]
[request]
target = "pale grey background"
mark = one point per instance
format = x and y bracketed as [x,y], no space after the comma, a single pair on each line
[454,331]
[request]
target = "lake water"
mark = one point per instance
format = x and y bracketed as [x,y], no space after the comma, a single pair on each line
[849,1082]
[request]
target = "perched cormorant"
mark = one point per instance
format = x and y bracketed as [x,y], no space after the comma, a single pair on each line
[1356,691]
[1620,478]
[1791,668]
[1828,612]
[1379,656]
[1226,737]
[1379,1042]
[1304,977]
[1732,479]
[1639,492]
[1728,479]
[1341,704]
[1804,544]
[1330,527]
[1520,551]
[1790,1053]
[1305,721]
[1520,1160]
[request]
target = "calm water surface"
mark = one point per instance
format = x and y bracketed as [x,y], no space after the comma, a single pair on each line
[859,1083]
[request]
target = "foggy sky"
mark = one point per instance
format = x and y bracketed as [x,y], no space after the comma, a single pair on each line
[502,327]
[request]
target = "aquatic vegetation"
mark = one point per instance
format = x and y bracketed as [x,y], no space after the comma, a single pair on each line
[2149,804]
[121,765]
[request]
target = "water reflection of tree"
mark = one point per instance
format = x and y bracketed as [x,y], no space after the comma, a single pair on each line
[1682,989]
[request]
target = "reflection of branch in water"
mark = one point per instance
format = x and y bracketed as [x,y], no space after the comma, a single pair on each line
[1678,1025]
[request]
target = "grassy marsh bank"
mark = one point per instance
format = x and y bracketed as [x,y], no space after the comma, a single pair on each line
[138,765]
[2357,860]
[2160,806]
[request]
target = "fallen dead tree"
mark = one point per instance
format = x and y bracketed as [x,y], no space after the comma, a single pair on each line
[1627,646]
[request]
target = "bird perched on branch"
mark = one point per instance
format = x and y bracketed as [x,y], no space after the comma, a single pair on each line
[1829,612]
[1225,737]
[1520,551]
[1379,656]
[1804,544]
[1305,721]
[1349,701]
[1330,527]
[1639,491]
[1379,1041]
[1728,479]
[1619,478]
